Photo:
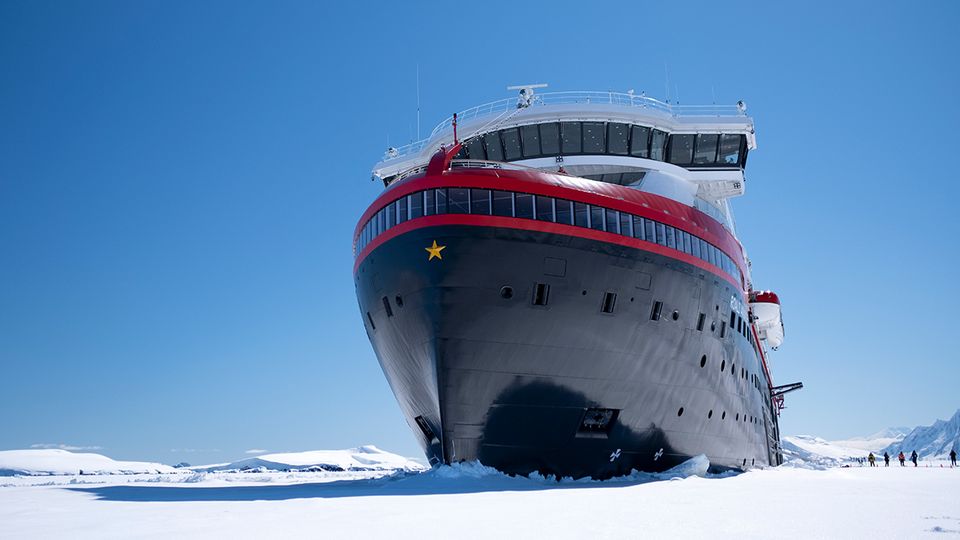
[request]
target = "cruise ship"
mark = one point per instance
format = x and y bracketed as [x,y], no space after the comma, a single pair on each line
[553,282]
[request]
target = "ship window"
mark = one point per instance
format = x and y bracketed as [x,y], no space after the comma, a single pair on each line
[613,221]
[638,228]
[640,141]
[415,201]
[524,205]
[494,149]
[658,144]
[429,202]
[630,178]
[703,359]
[687,243]
[386,306]
[611,178]
[427,432]
[596,218]
[581,214]
[480,201]
[402,210]
[680,412]
[541,293]
[570,138]
[710,414]
[544,207]
[661,234]
[609,301]
[503,203]
[655,312]
[681,149]
[723,329]
[593,140]
[700,321]
[706,153]
[564,212]
[730,149]
[463,153]
[618,136]
[650,230]
[671,239]
[626,224]
[550,138]
[382,220]
[441,200]
[369,318]
[475,148]
[530,135]
[459,200]
[511,144]
[733,319]
[723,365]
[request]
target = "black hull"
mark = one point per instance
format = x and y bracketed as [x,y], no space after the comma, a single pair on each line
[507,382]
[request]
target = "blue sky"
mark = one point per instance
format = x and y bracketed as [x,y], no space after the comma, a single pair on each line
[179,182]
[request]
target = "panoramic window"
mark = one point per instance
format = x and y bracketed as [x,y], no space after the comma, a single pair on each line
[640,142]
[511,144]
[618,137]
[564,212]
[441,201]
[626,224]
[658,144]
[401,210]
[581,214]
[492,143]
[429,202]
[681,149]
[570,134]
[415,201]
[458,200]
[613,221]
[530,135]
[475,148]
[480,201]
[550,139]
[523,205]
[729,149]
[503,203]
[544,208]
[706,153]
[593,140]
[596,218]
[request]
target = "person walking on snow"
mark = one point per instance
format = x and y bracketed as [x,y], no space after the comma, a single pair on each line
[953,458]
[913,458]
[872,460]
[886,459]
[902,459]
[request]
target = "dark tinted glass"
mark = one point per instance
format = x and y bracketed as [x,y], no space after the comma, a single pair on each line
[544,208]
[626,224]
[661,234]
[639,228]
[658,144]
[401,210]
[571,138]
[613,221]
[475,148]
[480,201]
[593,137]
[695,247]
[391,214]
[618,135]
[502,203]
[640,141]
[530,135]
[457,202]
[687,243]
[671,239]
[511,144]
[524,205]
[580,214]
[429,202]
[681,149]
[596,218]
[611,178]
[441,201]
[564,211]
[492,142]
[706,153]
[415,201]
[550,139]
[729,149]
[650,230]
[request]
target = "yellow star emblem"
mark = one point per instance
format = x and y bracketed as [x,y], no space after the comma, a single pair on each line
[434,251]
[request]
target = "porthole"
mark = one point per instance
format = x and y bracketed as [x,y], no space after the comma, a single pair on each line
[733,369]
[676,315]
[584,293]
[703,360]
[738,417]
[724,415]
[399,300]
[680,412]
[723,365]
[713,326]
[631,299]
[710,414]
[506,292]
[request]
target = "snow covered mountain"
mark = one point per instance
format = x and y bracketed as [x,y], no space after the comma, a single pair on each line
[55,461]
[933,441]
[363,458]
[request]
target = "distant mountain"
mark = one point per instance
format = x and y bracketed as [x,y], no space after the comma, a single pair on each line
[54,461]
[364,458]
[933,441]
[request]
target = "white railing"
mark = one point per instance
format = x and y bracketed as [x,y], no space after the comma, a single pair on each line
[571,98]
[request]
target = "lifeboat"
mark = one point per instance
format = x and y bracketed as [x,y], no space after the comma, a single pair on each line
[765,306]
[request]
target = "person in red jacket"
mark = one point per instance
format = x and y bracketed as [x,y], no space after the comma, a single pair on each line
[902,459]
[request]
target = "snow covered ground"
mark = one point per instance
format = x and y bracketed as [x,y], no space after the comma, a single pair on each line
[475,502]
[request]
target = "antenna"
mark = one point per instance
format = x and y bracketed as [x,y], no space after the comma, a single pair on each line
[418,102]
[666,82]
[526,93]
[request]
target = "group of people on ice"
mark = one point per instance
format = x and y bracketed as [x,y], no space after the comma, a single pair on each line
[913,457]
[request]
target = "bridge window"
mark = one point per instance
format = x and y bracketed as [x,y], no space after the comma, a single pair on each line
[503,203]
[530,135]
[570,134]
[544,208]
[658,144]
[681,149]
[564,211]
[618,137]
[730,149]
[706,153]
[511,144]
[593,140]
[524,205]
[494,149]
[640,142]
[480,201]
[550,138]
[475,149]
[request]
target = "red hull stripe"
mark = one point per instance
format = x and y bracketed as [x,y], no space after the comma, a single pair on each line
[538,226]
[593,192]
